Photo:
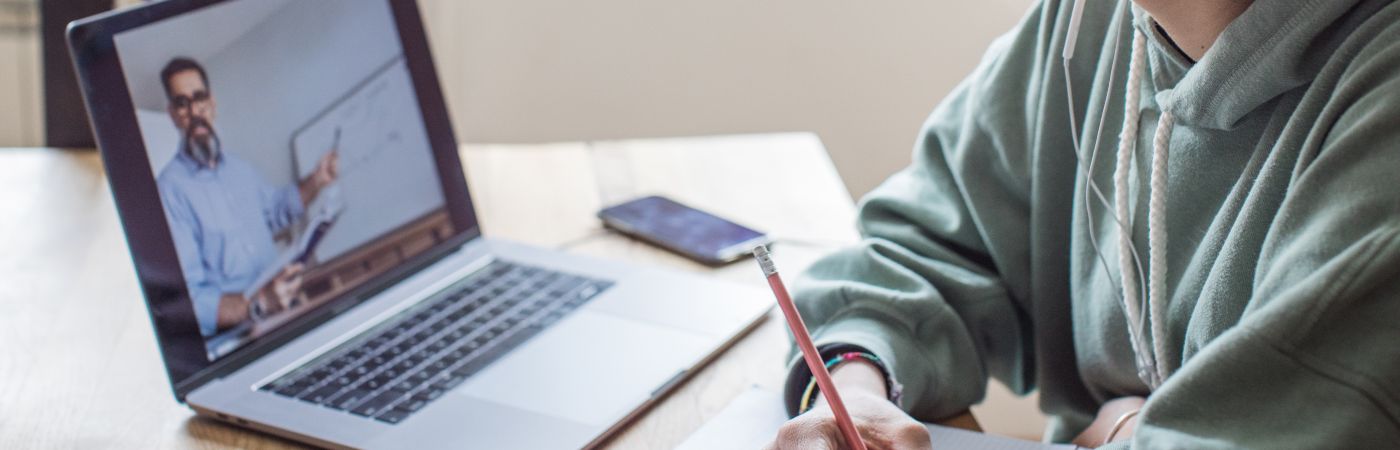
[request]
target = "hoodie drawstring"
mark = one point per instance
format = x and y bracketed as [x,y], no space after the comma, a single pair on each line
[1151,363]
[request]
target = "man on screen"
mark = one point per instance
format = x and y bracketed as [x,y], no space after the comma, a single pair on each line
[223,214]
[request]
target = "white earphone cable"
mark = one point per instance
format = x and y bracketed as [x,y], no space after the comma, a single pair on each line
[1150,361]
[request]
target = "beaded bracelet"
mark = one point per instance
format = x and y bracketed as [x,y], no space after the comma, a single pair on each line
[810,392]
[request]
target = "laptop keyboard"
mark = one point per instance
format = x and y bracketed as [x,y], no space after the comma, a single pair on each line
[397,368]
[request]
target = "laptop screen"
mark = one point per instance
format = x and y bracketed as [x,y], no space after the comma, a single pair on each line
[290,154]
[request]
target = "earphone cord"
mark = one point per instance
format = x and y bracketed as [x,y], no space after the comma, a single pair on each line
[1132,306]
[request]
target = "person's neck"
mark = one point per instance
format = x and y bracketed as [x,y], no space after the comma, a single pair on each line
[1194,25]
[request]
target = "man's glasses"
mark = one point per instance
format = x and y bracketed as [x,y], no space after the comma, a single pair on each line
[183,102]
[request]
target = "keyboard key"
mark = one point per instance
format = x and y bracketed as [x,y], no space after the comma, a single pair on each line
[321,395]
[464,371]
[291,390]
[319,375]
[393,416]
[404,386]
[429,394]
[448,380]
[350,398]
[378,404]
[412,404]
[367,409]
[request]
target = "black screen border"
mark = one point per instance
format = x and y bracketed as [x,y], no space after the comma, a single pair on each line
[113,116]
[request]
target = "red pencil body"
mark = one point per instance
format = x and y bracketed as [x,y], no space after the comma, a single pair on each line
[815,363]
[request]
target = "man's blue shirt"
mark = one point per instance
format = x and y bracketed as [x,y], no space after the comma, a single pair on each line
[223,220]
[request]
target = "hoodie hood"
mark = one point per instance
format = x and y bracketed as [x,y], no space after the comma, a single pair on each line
[1241,72]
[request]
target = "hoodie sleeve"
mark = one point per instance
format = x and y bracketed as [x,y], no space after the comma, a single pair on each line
[1314,361]
[937,287]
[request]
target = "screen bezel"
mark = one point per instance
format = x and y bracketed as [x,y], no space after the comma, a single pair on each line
[112,113]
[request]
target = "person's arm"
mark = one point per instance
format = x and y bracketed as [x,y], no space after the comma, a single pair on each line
[940,286]
[1313,362]
[209,303]
[326,171]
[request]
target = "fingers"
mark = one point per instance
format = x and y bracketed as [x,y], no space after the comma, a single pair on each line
[912,435]
[881,424]
[292,276]
[328,167]
[287,285]
[810,431]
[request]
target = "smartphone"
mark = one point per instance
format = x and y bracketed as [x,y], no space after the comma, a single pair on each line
[687,231]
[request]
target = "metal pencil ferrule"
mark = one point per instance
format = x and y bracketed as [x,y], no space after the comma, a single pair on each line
[765,260]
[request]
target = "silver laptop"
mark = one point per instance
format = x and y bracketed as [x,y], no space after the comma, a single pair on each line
[292,196]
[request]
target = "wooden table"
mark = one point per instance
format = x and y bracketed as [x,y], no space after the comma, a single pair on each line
[79,366]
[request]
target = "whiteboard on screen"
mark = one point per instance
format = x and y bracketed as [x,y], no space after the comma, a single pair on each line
[387,174]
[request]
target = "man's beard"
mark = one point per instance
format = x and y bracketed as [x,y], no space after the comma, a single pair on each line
[204,150]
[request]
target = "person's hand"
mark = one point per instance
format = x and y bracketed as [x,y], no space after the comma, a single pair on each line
[283,289]
[1101,430]
[327,169]
[882,425]
[325,173]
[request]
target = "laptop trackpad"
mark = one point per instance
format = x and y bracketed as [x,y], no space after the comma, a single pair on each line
[591,367]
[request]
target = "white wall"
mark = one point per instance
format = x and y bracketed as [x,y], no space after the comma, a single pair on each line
[863,75]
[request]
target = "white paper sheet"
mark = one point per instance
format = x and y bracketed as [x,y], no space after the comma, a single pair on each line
[752,420]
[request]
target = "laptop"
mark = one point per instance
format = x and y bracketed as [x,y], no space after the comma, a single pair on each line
[296,210]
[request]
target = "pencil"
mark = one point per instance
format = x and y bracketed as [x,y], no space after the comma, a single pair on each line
[809,350]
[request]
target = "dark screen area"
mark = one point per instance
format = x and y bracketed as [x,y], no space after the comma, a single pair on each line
[678,226]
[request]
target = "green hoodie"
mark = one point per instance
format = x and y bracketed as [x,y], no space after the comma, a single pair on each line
[1280,318]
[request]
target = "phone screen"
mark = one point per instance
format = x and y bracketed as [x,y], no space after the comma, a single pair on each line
[683,229]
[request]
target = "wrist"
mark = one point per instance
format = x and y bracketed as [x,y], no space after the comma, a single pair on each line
[860,376]
[853,378]
[871,377]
